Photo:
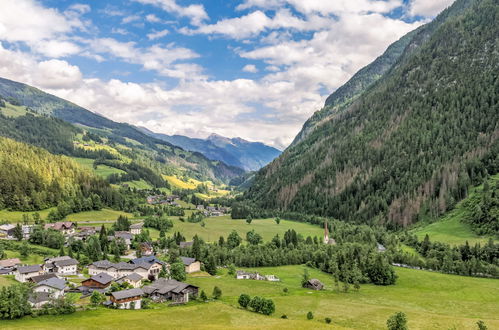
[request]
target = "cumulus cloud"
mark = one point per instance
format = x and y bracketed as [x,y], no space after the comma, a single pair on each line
[195,13]
[428,8]
[157,34]
[250,68]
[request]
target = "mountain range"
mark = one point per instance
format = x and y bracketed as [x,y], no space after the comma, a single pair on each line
[250,156]
[406,136]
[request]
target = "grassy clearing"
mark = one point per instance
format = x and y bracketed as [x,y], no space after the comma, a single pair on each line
[7,280]
[32,259]
[430,300]
[222,226]
[101,215]
[452,228]
[101,170]
[11,110]
[178,183]
[17,216]
[138,184]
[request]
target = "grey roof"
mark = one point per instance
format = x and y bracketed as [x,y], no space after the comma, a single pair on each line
[187,261]
[66,262]
[102,278]
[134,277]
[124,294]
[185,244]
[104,264]
[29,269]
[38,297]
[53,282]
[163,286]
[40,278]
[57,258]
[123,234]
[137,225]
[148,259]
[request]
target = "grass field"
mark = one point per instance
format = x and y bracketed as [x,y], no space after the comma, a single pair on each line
[7,280]
[17,216]
[31,259]
[11,110]
[218,226]
[101,170]
[101,215]
[452,227]
[430,300]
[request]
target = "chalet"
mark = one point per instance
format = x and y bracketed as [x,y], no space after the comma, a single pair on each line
[24,273]
[65,227]
[328,240]
[200,207]
[191,265]
[7,231]
[9,263]
[40,278]
[134,279]
[38,299]
[168,289]
[85,233]
[99,281]
[127,299]
[27,230]
[314,284]
[146,249]
[136,228]
[125,236]
[54,286]
[120,269]
[61,265]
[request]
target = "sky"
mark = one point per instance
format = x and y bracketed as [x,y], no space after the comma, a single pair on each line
[255,69]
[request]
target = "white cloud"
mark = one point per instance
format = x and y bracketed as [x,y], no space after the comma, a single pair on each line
[56,48]
[195,13]
[58,74]
[80,8]
[157,34]
[130,18]
[153,18]
[250,68]
[428,8]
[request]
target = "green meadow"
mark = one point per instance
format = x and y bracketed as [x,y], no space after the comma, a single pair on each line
[102,170]
[430,300]
[222,226]
[100,215]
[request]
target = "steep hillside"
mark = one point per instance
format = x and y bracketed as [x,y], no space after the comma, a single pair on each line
[413,142]
[108,134]
[250,156]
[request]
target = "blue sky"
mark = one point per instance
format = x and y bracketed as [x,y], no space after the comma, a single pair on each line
[256,69]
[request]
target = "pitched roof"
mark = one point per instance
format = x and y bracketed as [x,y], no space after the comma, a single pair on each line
[29,269]
[163,286]
[124,294]
[185,244]
[59,225]
[7,227]
[148,259]
[104,264]
[137,225]
[57,258]
[10,262]
[66,262]
[102,278]
[53,282]
[38,297]
[40,278]
[187,261]
[133,277]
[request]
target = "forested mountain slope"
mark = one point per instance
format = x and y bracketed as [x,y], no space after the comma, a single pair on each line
[44,110]
[238,152]
[410,144]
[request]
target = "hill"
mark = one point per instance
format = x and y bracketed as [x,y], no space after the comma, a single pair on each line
[250,156]
[411,143]
[63,127]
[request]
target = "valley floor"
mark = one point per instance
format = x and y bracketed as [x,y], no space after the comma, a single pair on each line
[430,300]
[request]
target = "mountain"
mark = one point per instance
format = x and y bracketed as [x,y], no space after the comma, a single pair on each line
[151,152]
[247,155]
[404,145]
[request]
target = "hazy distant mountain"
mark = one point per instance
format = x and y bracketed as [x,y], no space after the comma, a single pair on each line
[248,155]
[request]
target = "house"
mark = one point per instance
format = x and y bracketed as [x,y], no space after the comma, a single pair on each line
[191,265]
[40,278]
[24,273]
[61,265]
[99,281]
[38,299]
[146,249]
[125,236]
[136,228]
[314,284]
[117,270]
[54,285]
[243,275]
[27,230]
[200,207]
[85,233]
[7,231]
[168,289]
[127,299]
[328,240]
[65,227]
[134,279]
[184,245]
[9,263]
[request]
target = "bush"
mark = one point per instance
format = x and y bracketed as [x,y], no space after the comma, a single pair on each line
[328,320]
[397,321]
[203,296]
[217,293]
[244,300]
[284,316]
[310,316]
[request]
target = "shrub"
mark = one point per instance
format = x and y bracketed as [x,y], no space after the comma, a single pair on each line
[397,321]
[217,293]
[310,316]
[328,320]
[284,316]
[244,300]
